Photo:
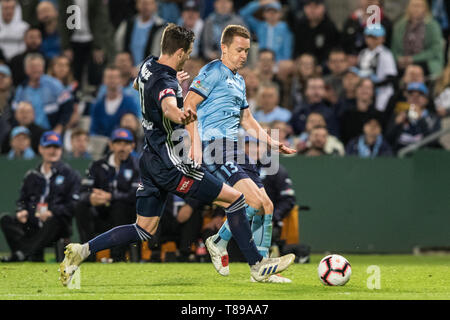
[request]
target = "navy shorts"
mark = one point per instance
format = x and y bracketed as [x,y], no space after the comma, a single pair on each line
[159,178]
[234,164]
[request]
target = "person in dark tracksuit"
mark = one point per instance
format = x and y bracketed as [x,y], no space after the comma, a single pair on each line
[46,204]
[108,193]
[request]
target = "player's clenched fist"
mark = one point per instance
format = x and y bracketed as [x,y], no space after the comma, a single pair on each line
[188,116]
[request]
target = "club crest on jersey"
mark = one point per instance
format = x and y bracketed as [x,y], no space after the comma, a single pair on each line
[59,180]
[165,92]
[185,185]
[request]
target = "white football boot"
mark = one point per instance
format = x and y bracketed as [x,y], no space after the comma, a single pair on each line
[275,278]
[72,260]
[219,257]
[270,266]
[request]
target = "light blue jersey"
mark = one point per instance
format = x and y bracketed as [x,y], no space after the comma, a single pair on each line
[219,115]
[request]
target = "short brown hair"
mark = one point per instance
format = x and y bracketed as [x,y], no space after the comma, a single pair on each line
[233,30]
[175,37]
[78,132]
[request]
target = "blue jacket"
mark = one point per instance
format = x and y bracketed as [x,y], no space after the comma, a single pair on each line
[358,147]
[277,38]
[298,119]
[52,103]
[103,124]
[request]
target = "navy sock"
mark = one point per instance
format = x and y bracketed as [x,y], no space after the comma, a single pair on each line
[121,235]
[240,228]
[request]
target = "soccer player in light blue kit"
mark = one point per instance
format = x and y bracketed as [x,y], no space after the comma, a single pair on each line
[217,94]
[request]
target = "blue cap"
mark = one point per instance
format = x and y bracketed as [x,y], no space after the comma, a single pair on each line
[19,130]
[418,86]
[122,135]
[273,5]
[50,138]
[5,70]
[375,30]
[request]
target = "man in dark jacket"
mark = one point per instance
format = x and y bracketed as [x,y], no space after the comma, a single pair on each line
[108,193]
[45,207]
[315,32]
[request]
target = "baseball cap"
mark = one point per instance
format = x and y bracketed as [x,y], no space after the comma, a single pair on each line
[418,86]
[19,130]
[191,5]
[122,135]
[375,30]
[50,138]
[5,70]
[273,5]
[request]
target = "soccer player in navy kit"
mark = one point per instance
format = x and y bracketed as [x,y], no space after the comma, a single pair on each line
[217,95]
[165,169]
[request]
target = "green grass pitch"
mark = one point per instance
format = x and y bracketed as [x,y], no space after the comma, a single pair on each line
[401,277]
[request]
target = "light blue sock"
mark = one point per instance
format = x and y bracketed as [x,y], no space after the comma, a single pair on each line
[262,233]
[224,235]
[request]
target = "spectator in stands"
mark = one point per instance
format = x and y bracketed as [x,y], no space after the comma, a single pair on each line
[377,62]
[306,66]
[440,10]
[45,207]
[284,133]
[442,93]
[317,142]
[314,120]
[190,19]
[251,87]
[24,116]
[181,222]
[337,65]
[417,38]
[6,95]
[131,122]
[141,34]
[268,105]
[314,102]
[353,38]
[120,10]
[272,33]
[398,102]
[108,193]
[12,30]
[216,22]
[371,143]
[265,67]
[355,115]
[107,111]
[33,41]
[350,81]
[315,32]
[79,142]
[86,44]
[47,16]
[415,124]
[53,105]
[20,142]
[285,74]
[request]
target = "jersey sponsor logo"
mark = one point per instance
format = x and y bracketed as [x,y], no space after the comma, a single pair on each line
[185,184]
[165,92]
[59,180]
[128,174]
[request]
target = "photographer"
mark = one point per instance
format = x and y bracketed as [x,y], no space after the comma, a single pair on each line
[45,207]
[108,193]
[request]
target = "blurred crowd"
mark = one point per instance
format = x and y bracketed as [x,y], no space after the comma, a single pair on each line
[333,77]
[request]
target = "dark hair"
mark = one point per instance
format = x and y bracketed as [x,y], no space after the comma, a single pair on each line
[176,37]
[265,50]
[336,50]
[233,30]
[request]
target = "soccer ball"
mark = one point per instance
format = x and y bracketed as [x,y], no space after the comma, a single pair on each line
[334,270]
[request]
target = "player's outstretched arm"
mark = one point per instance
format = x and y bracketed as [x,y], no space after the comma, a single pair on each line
[253,128]
[174,114]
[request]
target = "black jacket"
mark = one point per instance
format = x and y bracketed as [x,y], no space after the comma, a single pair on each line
[280,190]
[62,196]
[122,185]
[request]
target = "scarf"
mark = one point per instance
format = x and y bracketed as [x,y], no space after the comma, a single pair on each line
[364,149]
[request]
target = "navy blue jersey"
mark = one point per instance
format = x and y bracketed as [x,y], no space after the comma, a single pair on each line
[157,82]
